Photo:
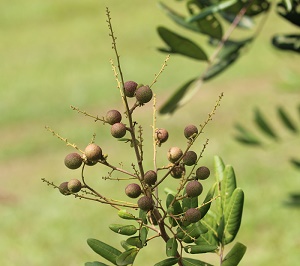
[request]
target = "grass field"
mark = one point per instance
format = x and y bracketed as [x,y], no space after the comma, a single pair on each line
[55,54]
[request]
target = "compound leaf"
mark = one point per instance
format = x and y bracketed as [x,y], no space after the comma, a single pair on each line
[104,250]
[181,45]
[233,215]
[235,255]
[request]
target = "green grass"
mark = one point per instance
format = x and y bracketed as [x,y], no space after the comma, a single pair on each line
[55,54]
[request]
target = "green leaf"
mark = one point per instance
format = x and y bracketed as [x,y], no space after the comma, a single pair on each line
[125,245]
[190,233]
[143,234]
[126,215]
[212,9]
[219,167]
[127,230]
[233,215]
[177,18]
[193,262]
[256,7]
[167,262]
[209,196]
[181,45]
[209,238]
[295,162]
[235,255]
[106,251]
[143,216]
[220,230]
[183,95]
[246,136]
[95,263]
[262,123]
[135,241]
[286,120]
[127,257]
[246,22]
[292,15]
[228,185]
[287,42]
[171,247]
[196,249]
[173,209]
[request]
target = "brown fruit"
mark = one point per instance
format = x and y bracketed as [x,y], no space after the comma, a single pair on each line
[93,152]
[150,177]
[133,190]
[202,173]
[63,188]
[113,116]
[193,188]
[74,185]
[145,203]
[73,160]
[178,171]
[174,154]
[161,135]
[130,88]
[143,94]
[190,131]
[118,130]
[190,158]
[192,215]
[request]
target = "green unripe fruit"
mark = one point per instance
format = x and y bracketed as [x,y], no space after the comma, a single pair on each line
[202,173]
[118,130]
[190,158]
[130,88]
[174,154]
[73,160]
[192,215]
[150,177]
[133,190]
[143,94]
[113,116]
[63,188]
[74,185]
[190,131]
[178,171]
[93,152]
[161,135]
[145,203]
[193,188]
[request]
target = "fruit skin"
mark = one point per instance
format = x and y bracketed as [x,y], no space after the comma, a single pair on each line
[133,190]
[74,185]
[174,154]
[193,188]
[130,88]
[113,116]
[93,152]
[190,158]
[192,215]
[190,131]
[63,189]
[161,136]
[178,171]
[118,130]
[145,203]
[143,94]
[73,160]
[150,177]
[202,173]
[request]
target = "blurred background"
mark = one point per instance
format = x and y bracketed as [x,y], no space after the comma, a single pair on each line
[55,54]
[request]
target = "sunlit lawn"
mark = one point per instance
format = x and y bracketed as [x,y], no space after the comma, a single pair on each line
[55,54]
